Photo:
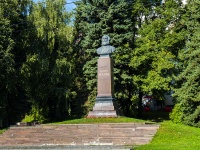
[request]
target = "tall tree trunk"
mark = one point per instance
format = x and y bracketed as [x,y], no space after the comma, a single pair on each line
[140,108]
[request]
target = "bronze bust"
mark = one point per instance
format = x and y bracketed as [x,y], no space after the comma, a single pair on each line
[105,50]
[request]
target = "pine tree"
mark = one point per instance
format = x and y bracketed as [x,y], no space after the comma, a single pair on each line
[93,20]
[187,93]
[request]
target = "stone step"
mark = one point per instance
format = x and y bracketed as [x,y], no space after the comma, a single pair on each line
[103,108]
[80,134]
[102,114]
[126,132]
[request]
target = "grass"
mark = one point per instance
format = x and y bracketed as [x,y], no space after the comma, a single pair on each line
[2,130]
[152,116]
[172,136]
[100,120]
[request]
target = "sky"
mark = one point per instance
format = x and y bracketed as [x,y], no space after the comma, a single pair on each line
[69,7]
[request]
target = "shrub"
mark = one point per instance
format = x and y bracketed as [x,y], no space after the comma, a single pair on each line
[176,114]
[36,114]
[28,118]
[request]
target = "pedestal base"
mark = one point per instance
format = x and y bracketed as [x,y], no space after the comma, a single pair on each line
[105,107]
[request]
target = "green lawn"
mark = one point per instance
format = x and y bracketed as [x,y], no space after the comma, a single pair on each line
[100,120]
[172,136]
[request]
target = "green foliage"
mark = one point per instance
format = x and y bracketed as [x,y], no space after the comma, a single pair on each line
[194,118]
[93,20]
[47,74]
[159,38]
[154,57]
[6,59]
[36,61]
[176,114]
[187,83]
[2,131]
[11,13]
[36,113]
[28,118]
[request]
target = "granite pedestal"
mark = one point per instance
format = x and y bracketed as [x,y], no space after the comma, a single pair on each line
[105,105]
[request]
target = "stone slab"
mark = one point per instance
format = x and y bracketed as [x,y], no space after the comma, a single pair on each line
[103,108]
[102,114]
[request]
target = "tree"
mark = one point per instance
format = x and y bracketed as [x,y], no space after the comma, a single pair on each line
[6,60]
[48,70]
[187,93]
[157,45]
[93,20]
[12,20]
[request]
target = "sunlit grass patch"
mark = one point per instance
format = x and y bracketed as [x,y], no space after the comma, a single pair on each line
[100,120]
[172,136]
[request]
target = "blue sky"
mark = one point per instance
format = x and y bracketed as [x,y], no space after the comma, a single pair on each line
[69,7]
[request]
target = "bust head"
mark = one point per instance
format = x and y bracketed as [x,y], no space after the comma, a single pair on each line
[105,40]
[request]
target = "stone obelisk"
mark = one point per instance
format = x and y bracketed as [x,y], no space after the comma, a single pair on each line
[105,105]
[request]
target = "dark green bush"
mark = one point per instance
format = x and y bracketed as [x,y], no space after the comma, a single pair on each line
[194,118]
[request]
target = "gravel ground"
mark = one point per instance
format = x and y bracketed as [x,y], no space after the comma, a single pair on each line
[69,147]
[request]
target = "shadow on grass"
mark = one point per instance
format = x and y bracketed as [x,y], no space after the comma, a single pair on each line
[153,116]
[156,115]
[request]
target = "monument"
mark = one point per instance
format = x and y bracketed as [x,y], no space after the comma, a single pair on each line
[105,104]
